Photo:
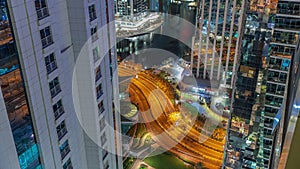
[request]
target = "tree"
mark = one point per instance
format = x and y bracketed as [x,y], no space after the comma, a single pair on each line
[200,166]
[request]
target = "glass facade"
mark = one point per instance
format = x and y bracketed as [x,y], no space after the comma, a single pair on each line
[245,146]
[283,46]
[12,86]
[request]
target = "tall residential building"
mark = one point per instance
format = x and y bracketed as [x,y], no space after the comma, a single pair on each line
[281,66]
[40,42]
[246,139]
[286,157]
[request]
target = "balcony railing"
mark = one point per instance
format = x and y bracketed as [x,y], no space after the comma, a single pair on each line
[278,67]
[285,41]
[275,92]
[51,67]
[288,11]
[62,133]
[59,112]
[42,13]
[273,103]
[47,41]
[55,90]
[277,80]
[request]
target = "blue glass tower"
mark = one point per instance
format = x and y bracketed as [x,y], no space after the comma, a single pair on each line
[14,95]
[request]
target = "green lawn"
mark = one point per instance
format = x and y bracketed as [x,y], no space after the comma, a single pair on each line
[166,161]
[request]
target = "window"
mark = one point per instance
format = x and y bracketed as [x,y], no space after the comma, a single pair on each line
[92,12]
[94,33]
[64,149]
[103,139]
[50,63]
[41,9]
[101,107]
[61,130]
[96,54]
[98,73]
[99,91]
[46,37]
[68,164]
[58,109]
[54,87]
[102,124]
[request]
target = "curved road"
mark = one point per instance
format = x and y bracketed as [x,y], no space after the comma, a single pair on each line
[155,107]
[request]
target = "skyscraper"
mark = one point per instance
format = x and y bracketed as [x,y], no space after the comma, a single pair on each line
[246,133]
[285,153]
[40,44]
[281,72]
[261,90]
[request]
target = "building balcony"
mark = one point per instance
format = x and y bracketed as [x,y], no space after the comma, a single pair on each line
[273,103]
[268,147]
[286,11]
[275,92]
[278,67]
[277,80]
[272,115]
[268,125]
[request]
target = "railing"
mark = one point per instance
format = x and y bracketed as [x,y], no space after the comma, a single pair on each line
[276,80]
[272,103]
[42,13]
[285,41]
[47,41]
[55,90]
[51,67]
[59,112]
[280,93]
[288,11]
